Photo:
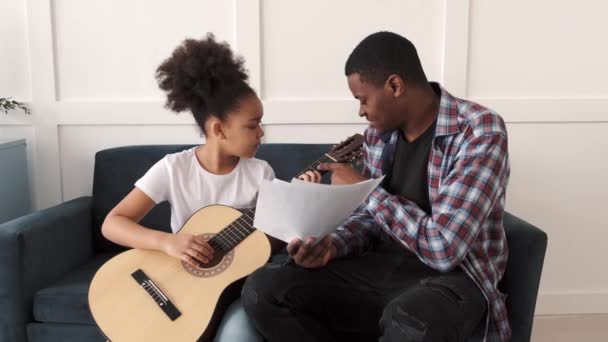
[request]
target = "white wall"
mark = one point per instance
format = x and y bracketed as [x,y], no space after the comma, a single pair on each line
[87,67]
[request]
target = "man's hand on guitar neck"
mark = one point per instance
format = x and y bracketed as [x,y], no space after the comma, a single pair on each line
[310,255]
[342,173]
[311,176]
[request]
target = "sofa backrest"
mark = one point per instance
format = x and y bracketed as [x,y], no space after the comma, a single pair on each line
[117,169]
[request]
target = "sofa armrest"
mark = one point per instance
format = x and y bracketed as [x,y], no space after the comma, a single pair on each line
[35,250]
[527,246]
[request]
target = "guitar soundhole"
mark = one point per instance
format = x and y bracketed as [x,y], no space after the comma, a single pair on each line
[217,265]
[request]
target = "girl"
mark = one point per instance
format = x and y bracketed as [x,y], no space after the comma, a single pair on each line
[206,79]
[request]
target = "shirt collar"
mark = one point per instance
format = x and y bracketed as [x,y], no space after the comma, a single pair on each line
[447,118]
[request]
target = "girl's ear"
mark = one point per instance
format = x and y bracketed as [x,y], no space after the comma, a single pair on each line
[217,129]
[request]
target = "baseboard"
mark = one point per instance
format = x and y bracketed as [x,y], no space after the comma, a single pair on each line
[572,302]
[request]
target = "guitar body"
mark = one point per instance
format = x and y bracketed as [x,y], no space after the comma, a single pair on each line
[126,309]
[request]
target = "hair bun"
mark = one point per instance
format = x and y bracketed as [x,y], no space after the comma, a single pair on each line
[197,72]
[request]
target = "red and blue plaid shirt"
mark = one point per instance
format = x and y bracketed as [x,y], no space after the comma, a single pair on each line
[468,173]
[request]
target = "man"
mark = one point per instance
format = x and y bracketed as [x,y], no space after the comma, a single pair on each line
[421,259]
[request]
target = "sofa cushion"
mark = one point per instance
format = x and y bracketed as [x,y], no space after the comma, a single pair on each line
[66,301]
[46,332]
[117,169]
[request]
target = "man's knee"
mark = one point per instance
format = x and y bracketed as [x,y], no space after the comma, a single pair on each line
[435,309]
[257,287]
[398,324]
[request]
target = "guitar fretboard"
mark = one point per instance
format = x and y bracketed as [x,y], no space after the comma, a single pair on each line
[234,233]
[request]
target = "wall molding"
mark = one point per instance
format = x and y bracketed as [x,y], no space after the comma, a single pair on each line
[572,302]
[15,118]
[313,111]
[548,110]
[47,190]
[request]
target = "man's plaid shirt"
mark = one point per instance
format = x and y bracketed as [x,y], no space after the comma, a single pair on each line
[468,173]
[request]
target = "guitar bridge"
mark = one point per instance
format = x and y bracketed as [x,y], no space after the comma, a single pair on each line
[156,294]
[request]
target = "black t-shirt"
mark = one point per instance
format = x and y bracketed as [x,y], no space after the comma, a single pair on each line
[408,176]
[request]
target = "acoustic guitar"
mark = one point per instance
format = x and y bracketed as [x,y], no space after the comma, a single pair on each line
[145,295]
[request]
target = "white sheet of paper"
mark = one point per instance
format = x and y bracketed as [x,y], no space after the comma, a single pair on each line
[301,209]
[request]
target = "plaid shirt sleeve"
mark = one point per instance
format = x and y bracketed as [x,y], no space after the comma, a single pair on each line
[353,237]
[463,202]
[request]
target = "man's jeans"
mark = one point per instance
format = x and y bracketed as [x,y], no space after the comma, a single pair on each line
[387,294]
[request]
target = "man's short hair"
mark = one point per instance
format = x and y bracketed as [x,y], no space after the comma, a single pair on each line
[382,54]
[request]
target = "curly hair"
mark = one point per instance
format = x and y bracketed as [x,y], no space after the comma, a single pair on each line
[205,77]
[383,53]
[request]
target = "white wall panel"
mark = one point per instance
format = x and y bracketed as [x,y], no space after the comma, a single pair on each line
[306,43]
[542,48]
[110,49]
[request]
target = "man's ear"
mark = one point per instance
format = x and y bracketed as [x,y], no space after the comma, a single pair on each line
[395,85]
[217,130]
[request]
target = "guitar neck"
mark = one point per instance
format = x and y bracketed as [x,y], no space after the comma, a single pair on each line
[313,167]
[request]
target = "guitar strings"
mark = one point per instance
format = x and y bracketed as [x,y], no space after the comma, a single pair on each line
[233,234]
[314,165]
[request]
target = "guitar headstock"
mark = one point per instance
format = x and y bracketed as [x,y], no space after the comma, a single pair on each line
[349,150]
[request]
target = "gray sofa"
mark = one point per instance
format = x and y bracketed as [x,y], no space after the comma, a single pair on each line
[48,258]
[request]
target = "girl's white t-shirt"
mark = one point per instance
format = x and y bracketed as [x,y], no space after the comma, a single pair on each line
[179,179]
